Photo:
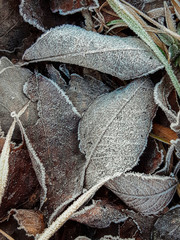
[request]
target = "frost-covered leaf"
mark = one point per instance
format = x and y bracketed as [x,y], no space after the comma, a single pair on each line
[82,91]
[144,193]
[12,79]
[55,76]
[168,225]
[161,93]
[100,214]
[29,220]
[54,138]
[143,223]
[14,30]
[39,14]
[72,6]
[125,58]
[109,237]
[113,131]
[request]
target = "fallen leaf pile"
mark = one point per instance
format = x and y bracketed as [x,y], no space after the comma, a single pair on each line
[94,141]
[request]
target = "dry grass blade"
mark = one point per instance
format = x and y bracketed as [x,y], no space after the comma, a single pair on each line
[50,231]
[123,13]
[145,26]
[176,5]
[6,235]
[37,163]
[169,20]
[166,30]
[4,164]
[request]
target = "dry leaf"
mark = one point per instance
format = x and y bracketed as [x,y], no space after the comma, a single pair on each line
[13,30]
[29,220]
[120,57]
[54,138]
[143,223]
[12,79]
[145,193]
[151,159]
[113,131]
[21,183]
[39,14]
[109,237]
[164,133]
[72,6]
[100,214]
[176,5]
[55,76]
[82,91]
[168,225]
[162,91]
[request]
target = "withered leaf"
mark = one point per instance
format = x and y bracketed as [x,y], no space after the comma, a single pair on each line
[12,79]
[151,159]
[55,76]
[21,183]
[13,30]
[29,220]
[54,138]
[144,193]
[82,91]
[168,225]
[70,7]
[143,223]
[100,214]
[161,93]
[39,14]
[120,57]
[113,131]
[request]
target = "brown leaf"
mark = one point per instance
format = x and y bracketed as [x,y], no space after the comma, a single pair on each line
[151,159]
[12,79]
[54,138]
[13,30]
[22,181]
[143,223]
[164,133]
[145,193]
[168,225]
[39,14]
[100,214]
[113,131]
[70,7]
[29,220]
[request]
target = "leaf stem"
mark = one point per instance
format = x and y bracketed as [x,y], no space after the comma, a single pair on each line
[133,24]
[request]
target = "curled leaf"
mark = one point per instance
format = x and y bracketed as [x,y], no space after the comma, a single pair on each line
[120,57]
[29,220]
[113,131]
